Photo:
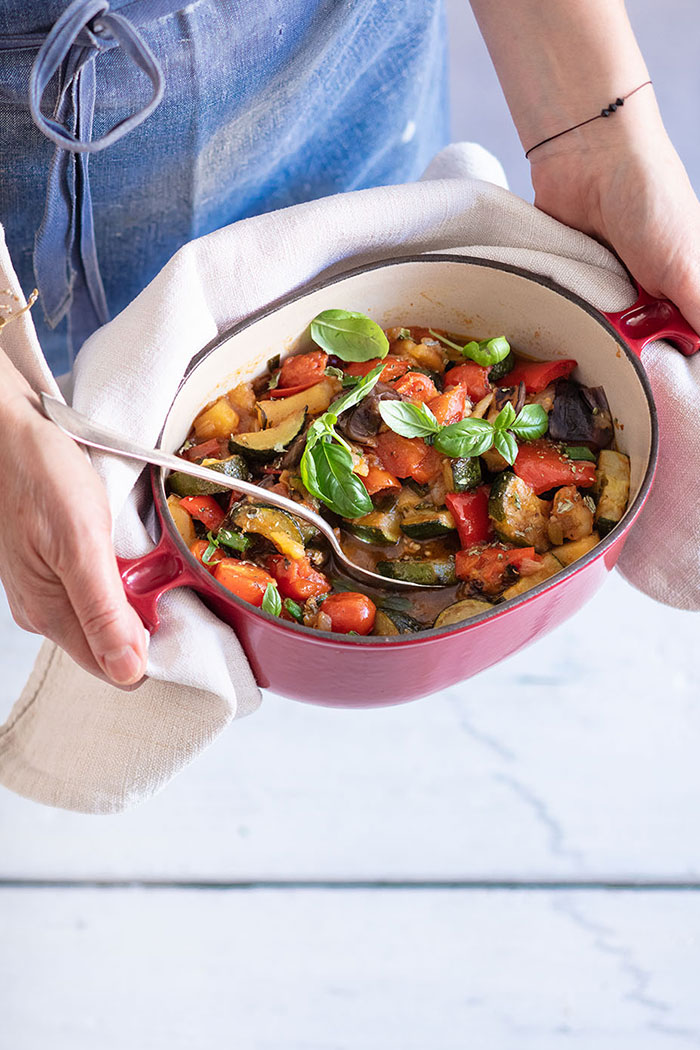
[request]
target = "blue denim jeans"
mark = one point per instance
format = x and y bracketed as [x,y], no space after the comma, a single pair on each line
[239,107]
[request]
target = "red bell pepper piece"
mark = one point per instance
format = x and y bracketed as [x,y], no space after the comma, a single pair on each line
[408,457]
[449,407]
[415,386]
[296,579]
[287,391]
[204,509]
[536,375]
[473,377]
[211,449]
[303,370]
[543,466]
[244,579]
[393,368]
[471,513]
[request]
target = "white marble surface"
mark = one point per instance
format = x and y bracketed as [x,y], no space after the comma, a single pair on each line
[357,970]
[574,762]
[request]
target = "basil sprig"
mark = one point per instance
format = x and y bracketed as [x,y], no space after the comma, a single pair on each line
[326,465]
[487,352]
[238,541]
[272,603]
[350,336]
[469,437]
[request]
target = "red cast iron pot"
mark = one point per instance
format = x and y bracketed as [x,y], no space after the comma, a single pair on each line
[459,294]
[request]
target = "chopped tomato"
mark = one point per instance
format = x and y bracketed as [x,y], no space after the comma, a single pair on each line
[350,612]
[297,579]
[471,513]
[212,449]
[536,375]
[199,548]
[473,377]
[393,368]
[408,457]
[543,466]
[489,569]
[204,509]
[415,386]
[449,407]
[379,480]
[244,579]
[303,370]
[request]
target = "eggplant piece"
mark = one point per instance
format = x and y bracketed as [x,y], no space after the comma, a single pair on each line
[364,421]
[516,396]
[581,415]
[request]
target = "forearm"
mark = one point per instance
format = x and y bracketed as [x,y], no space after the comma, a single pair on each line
[560,61]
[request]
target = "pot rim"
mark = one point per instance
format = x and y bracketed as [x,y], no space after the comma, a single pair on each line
[431,633]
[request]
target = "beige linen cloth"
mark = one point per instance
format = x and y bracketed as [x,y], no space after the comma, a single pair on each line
[74,742]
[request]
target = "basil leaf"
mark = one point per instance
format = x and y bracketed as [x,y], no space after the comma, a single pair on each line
[580,452]
[274,381]
[354,396]
[234,539]
[505,418]
[408,419]
[485,353]
[211,549]
[505,443]
[532,423]
[351,380]
[404,333]
[294,609]
[326,470]
[350,336]
[337,373]
[272,603]
[469,437]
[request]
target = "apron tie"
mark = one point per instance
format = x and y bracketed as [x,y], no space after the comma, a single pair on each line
[65,254]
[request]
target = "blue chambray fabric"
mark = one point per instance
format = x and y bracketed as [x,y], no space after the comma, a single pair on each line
[264,105]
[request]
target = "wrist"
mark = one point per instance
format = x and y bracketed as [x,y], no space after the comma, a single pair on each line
[18,402]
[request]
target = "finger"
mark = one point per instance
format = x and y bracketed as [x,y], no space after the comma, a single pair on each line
[111,628]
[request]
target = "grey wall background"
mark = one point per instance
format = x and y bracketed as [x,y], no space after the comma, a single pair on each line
[669,34]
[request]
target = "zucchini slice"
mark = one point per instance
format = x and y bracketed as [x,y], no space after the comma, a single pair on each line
[612,488]
[466,473]
[526,583]
[571,552]
[183,521]
[275,525]
[463,610]
[389,622]
[266,444]
[518,515]
[427,524]
[436,572]
[379,526]
[313,401]
[502,368]
[185,485]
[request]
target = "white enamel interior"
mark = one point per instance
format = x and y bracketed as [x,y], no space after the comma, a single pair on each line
[461,297]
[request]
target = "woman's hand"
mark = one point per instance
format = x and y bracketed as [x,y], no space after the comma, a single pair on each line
[632,193]
[56,557]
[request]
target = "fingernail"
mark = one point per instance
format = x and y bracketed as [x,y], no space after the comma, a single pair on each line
[122,665]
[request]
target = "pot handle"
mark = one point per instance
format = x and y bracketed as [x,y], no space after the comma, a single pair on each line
[650,319]
[151,575]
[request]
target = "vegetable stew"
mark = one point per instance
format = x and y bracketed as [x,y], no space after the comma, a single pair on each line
[457,463]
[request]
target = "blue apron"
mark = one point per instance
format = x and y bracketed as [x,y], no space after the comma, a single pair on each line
[128,128]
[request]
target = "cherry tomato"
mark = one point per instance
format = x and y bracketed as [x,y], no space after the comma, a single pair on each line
[297,579]
[491,568]
[245,580]
[449,407]
[198,549]
[473,376]
[379,480]
[204,509]
[303,369]
[350,612]
[408,457]
[415,386]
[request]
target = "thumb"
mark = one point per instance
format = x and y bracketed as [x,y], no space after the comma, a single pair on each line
[112,629]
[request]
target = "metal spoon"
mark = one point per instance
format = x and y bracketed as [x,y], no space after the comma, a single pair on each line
[85,432]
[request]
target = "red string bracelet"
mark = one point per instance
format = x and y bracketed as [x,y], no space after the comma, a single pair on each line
[607,112]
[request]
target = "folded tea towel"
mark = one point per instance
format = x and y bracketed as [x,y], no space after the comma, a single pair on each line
[74,742]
